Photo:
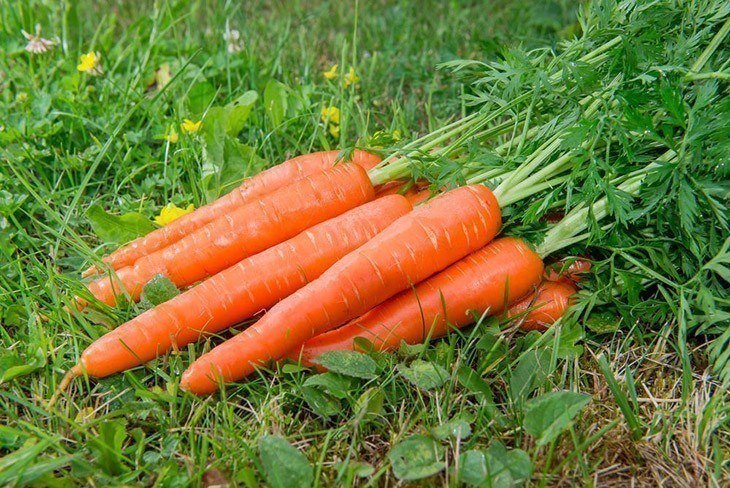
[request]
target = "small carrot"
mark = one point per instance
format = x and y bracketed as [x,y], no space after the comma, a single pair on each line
[249,229]
[417,245]
[253,188]
[487,279]
[541,309]
[570,272]
[240,291]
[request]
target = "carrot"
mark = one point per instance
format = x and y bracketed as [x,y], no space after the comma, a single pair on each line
[570,272]
[419,197]
[415,246]
[487,279]
[240,291]
[249,229]
[541,309]
[253,188]
[416,193]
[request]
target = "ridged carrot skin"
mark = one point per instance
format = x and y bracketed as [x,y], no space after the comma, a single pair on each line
[487,279]
[541,309]
[419,244]
[240,291]
[252,188]
[249,229]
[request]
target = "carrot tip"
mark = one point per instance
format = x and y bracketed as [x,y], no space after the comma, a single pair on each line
[92,270]
[70,375]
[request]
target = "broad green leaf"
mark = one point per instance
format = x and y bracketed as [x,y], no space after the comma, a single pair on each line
[349,363]
[158,290]
[570,333]
[473,467]
[199,97]
[284,465]
[335,384]
[276,101]
[471,380]
[12,366]
[239,110]
[602,323]
[107,446]
[370,403]
[214,134]
[118,229]
[424,375]
[416,457]
[516,462]
[226,163]
[321,403]
[496,467]
[14,315]
[455,428]
[411,350]
[529,373]
[293,368]
[548,415]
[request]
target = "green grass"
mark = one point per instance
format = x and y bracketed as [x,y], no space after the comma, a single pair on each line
[70,140]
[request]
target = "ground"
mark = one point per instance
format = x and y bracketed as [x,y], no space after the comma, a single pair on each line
[71,139]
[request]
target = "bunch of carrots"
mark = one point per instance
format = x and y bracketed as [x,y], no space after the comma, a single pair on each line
[319,244]
[328,249]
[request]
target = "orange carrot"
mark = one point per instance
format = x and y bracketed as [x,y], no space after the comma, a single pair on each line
[417,245]
[572,273]
[487,279]
[240,291]
[419,197]
[541,309]
[249,229]
[253,188]
[415,193]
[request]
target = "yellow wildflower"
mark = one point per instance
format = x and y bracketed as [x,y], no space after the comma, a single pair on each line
[331,73]
[171,212]
[335,131]
[90,63]
[331,114]
[397,136]
[351,77]
[171,135]
[190,126]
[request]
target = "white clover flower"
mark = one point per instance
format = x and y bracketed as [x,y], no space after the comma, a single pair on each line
[233,40]
[36,43]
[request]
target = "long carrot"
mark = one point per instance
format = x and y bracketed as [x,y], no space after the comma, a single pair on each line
[541,309]
[487,279]
[263,183]
[240,291]
[249,229]
[423,242]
